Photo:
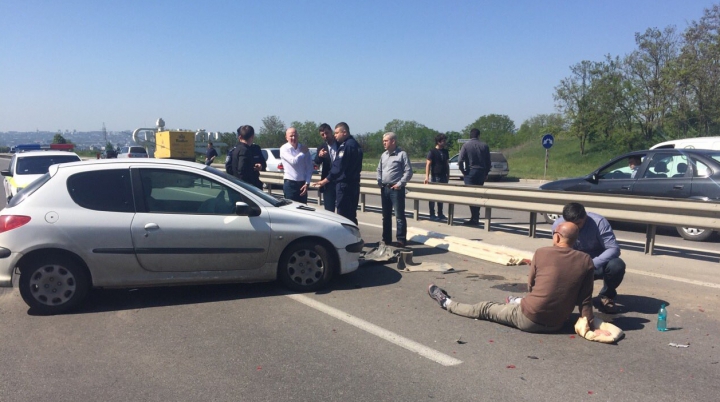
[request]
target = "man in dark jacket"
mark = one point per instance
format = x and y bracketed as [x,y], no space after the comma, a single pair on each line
[474,164]
[247,158]
[345,173]
[326,154]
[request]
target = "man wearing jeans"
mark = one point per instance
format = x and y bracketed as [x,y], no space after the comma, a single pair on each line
[437,170]
[474,163]
[560,278]
[597,239]
[393,172]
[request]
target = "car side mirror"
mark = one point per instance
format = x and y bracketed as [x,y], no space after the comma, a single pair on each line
[243,209]
[593,178]
[6,173]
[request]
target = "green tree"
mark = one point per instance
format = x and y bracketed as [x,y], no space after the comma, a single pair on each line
[272,132]
[652,85]
[498,131]
[59,139]
[534,128]
[699,76]
[572,98]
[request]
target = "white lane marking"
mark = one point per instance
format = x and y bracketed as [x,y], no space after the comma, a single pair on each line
[632,271]
[675,278]
[389,336]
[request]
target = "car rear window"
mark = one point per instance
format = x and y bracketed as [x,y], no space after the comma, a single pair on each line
[497,157]
[40,164]
[103,190]
[276,153]
[137,150]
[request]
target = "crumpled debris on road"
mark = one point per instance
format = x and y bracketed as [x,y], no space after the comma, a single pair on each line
[679,345]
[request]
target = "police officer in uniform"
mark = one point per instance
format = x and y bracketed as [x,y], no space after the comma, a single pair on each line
[247,158]
[326,154]
[345,173]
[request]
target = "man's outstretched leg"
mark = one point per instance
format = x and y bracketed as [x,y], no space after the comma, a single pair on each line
[501,313]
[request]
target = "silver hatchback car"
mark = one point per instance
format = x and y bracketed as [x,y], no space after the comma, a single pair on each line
[143,222]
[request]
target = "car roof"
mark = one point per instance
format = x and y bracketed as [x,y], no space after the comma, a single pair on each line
[44,153]
[127,162]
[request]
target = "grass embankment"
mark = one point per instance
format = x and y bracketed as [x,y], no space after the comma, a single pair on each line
[528,160]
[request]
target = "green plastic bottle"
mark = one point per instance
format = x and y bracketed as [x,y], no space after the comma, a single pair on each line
[662,318]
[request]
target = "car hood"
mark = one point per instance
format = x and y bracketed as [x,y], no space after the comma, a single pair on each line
[22,180]
[566,184]
[317,211]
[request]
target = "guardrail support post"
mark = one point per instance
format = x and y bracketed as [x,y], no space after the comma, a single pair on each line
[320,198]
[650,239]
[533,224]
[416,209]
[488,212]
[362,202]
[451,214]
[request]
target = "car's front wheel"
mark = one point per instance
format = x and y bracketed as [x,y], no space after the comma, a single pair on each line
[694,234]
[551,218]
[305,267]
[53,285]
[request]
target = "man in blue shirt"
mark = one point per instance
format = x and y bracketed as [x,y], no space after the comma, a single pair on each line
[597,239]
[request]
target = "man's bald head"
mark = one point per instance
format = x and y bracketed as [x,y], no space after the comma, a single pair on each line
[567,234]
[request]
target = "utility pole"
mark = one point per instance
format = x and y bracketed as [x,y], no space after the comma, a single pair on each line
[104,131]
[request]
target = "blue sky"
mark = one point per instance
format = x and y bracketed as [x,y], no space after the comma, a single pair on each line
[74,64]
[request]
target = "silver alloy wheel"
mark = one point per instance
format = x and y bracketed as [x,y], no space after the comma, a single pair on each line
[551,218]
[695,234]
[305,267]
[52,285]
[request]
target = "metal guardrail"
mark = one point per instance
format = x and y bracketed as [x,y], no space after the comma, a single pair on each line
[650,211]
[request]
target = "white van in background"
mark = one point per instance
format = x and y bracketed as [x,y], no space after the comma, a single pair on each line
[694,143]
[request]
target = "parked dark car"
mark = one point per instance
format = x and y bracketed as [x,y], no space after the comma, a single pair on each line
[667,173]
[108,154]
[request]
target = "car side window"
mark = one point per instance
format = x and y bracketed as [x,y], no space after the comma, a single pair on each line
[178,192]
[701,170]
[12,165]
[619,169]
[665,165]
[102,190]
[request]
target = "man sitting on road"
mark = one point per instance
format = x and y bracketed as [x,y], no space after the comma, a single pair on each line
[560,278]
[598,241]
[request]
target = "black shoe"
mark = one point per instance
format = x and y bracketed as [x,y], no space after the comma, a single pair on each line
[442,217]
[433,217]
[438,294]
[471,223]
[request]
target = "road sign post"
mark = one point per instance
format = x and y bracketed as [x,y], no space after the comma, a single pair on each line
[547,142]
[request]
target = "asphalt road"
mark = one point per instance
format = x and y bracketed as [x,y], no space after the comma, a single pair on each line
[374,335]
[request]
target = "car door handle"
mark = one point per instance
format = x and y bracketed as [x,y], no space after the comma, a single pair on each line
[151,226]
[625,187]
[678,186]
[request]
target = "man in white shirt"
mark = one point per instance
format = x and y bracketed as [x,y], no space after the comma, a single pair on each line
[297,166]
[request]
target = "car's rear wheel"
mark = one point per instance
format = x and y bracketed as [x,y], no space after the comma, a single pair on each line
[694,234]
[305,266]
[53,285]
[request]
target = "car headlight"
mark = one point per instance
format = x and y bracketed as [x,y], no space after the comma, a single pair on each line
[352,229]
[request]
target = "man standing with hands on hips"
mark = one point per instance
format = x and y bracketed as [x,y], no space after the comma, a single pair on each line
[393,172]
[297,167]
[474,164]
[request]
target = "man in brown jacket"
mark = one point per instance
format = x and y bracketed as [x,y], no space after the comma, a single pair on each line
[560,278]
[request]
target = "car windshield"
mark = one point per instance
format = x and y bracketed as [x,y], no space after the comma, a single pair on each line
[266,197]
[40,164]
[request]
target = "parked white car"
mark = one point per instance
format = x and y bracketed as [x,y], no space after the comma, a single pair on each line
[25,167]
[498,167]
[132,152]
[143,222]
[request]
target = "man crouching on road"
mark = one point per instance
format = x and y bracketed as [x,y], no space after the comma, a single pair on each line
[560,278]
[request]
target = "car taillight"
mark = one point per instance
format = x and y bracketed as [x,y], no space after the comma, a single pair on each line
[280,166]
[10,222]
